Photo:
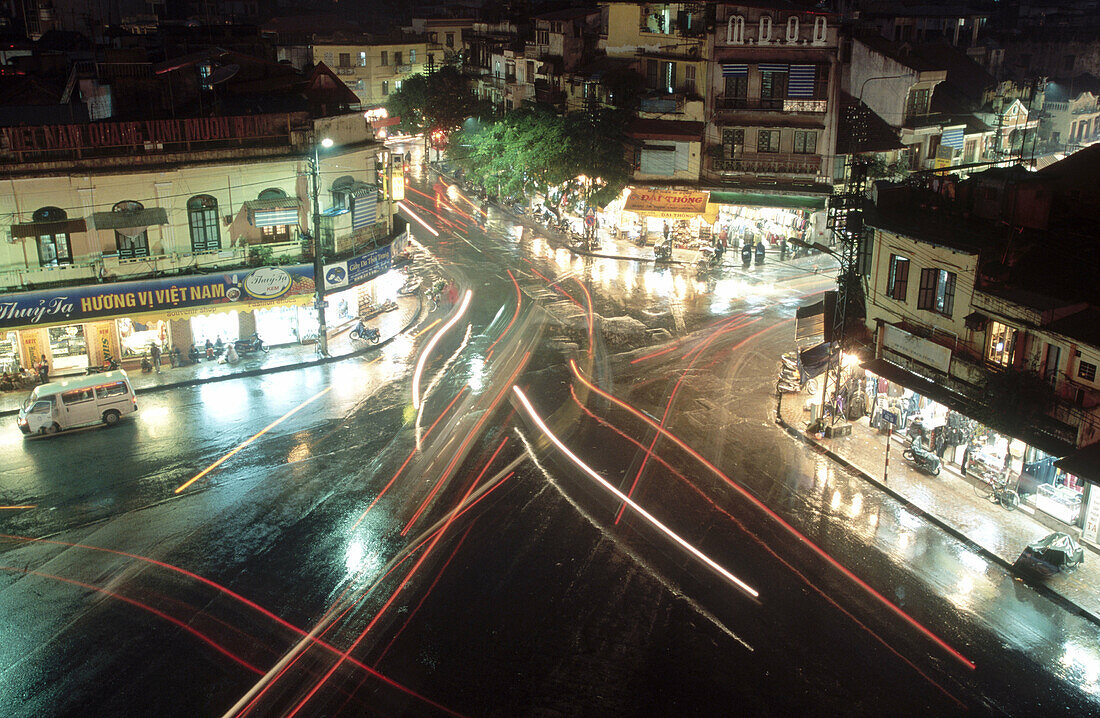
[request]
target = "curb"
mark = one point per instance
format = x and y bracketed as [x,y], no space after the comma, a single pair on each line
[1040,588]
[269,370]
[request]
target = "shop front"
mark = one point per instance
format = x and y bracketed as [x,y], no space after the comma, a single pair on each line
[969,449]
[695,218]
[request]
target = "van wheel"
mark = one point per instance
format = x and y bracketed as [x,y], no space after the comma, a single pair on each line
[110,418]
[52,428]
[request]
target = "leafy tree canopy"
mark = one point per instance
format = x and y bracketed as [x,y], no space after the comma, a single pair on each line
[439,101]
[533,148]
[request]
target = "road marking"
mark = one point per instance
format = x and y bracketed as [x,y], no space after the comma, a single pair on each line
[437,321]
[255,436]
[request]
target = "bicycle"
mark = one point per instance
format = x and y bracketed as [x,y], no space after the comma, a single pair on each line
[998,493]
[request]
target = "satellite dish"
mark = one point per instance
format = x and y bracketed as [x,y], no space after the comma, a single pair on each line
[222,74]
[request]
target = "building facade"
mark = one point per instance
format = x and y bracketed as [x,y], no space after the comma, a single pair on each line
[175,232]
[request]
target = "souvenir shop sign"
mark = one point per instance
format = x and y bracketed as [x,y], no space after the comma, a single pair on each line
[171,296]
[365,267]
[666,203]
[918,349]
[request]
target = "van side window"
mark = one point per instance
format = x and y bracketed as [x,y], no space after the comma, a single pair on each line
[76,396]
[107,390]
[42,406]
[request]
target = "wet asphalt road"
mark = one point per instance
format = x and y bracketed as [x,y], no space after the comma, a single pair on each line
[533,601]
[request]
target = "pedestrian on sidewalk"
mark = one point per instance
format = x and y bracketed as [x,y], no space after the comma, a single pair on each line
[154,352]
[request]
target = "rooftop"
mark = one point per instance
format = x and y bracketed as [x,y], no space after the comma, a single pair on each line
[902,53]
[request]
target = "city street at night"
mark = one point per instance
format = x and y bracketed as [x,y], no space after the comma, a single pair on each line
[414,540]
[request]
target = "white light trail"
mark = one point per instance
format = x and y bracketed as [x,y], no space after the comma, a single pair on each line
[431,344]
[412,214]
[628,501]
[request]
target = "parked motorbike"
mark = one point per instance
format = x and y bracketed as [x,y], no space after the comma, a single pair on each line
[662,252]
[921,458]
[109,364]
[1054,553]
[362,332]
[252,344]
[746,256]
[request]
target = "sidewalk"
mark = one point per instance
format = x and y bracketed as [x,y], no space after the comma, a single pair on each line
[949,501]
[280,358]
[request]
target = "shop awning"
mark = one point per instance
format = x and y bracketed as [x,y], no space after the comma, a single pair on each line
[927,388]
[36,229]
[669,130]
[764,199]
[273,212]
[131,220]
[1083,463]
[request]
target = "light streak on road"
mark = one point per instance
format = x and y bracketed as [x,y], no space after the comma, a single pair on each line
[214,585]
[427,500]
[630,502]
[438,377]
[469,438]
[519,299]
[777,518]
[419,221]
[145,607]
[252,438]
[381,611]
[687,482]
[405,463]
[591,318]
[431,345]
[19,507]
[732,325]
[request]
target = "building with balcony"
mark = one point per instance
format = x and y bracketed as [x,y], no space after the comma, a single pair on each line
[446,37]
[974,311]
[122,234]
[1071,113]
[773,96]
[493,50]
[375,66]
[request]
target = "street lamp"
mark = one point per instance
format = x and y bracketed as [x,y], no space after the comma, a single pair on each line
[318,257]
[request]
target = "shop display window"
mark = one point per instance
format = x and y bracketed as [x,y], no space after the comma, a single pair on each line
[278,325]
[224,325]
[137,337]
[9,351]
[68,348]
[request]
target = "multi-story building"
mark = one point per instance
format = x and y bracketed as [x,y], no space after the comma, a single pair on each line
[373,67]
[1071,113]
[773,96]
[974,312]
[446,38]
[493,48]
[122,234]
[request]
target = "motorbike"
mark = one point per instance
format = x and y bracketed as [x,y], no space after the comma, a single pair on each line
[921,458]
[252,344]
[746,256]
[361,332]
[109,364]
[662,252]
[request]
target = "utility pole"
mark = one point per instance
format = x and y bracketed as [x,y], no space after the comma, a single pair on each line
[318,254]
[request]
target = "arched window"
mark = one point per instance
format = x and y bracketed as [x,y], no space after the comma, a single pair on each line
[765,34]
[735,30]
[272,193]
[54,248]
[341,192]
[819,29]
[202,218]
[132,241]
[792,28]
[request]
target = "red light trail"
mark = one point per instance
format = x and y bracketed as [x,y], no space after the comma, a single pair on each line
[778,519]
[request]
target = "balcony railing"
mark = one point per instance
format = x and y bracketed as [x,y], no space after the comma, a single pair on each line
[769,163]
[771,104]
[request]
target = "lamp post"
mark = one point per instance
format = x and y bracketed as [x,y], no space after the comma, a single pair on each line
[318,257]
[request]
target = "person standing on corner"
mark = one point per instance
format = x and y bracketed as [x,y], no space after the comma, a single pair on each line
[154,353]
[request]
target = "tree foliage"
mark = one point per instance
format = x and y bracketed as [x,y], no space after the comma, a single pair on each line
[533,149]
[439,101]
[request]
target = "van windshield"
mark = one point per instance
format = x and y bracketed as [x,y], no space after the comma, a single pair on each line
[29,401]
